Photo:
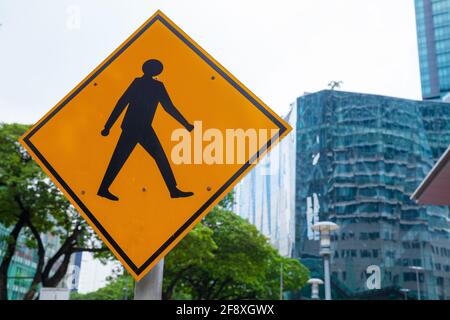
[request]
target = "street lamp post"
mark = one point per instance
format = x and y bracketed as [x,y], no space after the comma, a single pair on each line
[405,292]
[325,228]
[417,269]
[314,282]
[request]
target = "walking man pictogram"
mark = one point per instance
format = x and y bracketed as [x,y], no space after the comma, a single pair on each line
[142,98]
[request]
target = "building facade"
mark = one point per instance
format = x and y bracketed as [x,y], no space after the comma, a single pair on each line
[433,36]
[357,160]
[264,196]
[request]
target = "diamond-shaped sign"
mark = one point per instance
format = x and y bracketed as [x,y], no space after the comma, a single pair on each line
[148,142]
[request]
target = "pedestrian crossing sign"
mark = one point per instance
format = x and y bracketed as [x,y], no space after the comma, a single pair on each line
[151,140]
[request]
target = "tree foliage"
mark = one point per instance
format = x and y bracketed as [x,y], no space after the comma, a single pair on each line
[223,257]
[119,288]
[31,206]
[244,265]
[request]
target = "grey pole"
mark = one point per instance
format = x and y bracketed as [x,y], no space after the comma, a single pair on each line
[281,281]
[417,269]
[405,292]
[125,290]
[418,285]
[326,270]
[325,228]
[150,286]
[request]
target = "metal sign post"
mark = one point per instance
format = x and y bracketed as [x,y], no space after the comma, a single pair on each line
[150,286]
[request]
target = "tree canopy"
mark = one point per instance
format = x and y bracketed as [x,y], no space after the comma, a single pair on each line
[223,257]
[31,206]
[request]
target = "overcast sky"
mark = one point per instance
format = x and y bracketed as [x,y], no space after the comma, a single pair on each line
[278,49]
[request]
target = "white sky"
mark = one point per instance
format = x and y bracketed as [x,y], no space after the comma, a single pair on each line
[93,273]
[278,49]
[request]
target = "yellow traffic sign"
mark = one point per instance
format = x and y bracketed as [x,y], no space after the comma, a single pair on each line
[151,140]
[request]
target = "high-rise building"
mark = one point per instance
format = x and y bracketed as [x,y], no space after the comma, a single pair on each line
[357,160]
[373,153]
[264,196]
[433,36]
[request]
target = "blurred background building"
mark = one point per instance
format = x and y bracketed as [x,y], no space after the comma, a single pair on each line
[433,35]
[24,263]
[358,158]
[22,268]
[264,196]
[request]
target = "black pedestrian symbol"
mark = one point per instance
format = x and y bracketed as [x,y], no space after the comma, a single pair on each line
[142,98]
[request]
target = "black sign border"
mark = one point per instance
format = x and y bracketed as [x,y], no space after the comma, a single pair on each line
[140,269]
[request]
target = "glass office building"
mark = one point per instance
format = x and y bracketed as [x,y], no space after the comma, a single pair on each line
[356,159]
[433,35]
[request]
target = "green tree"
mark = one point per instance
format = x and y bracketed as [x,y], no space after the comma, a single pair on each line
[31,205]
[244,265]
[223,257]
[197,248]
